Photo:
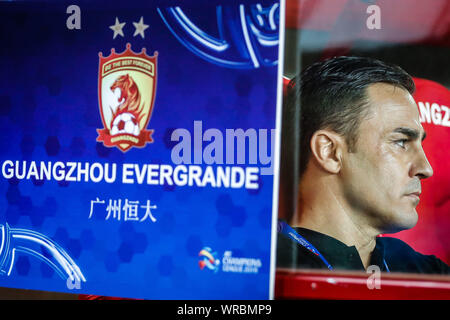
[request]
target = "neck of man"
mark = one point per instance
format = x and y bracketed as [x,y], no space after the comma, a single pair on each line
[321,208]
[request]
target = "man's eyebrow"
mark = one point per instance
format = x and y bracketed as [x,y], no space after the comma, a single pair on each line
[410,133]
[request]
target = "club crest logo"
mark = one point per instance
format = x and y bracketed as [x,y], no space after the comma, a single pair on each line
[126,92]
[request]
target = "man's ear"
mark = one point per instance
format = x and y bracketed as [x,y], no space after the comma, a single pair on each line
[327,149]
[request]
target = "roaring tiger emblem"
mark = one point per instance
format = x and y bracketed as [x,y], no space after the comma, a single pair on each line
[130,98]
[127,84]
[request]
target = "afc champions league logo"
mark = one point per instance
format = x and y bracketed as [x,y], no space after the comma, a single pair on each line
[208,259]
[126,92]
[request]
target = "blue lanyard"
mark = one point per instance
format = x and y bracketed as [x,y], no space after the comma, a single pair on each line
[386,266]
[286,229]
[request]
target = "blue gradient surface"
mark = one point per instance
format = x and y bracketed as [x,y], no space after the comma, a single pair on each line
[49,111]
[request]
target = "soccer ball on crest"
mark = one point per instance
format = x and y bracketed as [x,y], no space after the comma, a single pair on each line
[125,123]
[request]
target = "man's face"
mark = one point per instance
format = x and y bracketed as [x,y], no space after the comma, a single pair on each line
[381,176]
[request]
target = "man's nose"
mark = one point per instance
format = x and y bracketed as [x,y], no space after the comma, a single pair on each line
[421,167]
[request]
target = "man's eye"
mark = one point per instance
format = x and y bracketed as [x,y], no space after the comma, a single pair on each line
[401,143]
